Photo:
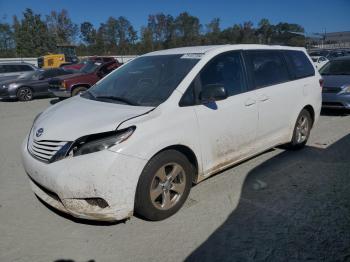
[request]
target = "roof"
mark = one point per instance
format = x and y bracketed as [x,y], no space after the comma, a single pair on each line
[15,63]
[210,48]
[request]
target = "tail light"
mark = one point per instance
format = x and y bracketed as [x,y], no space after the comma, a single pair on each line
[321,82]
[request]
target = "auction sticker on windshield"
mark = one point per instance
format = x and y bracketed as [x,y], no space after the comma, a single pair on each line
[192,56]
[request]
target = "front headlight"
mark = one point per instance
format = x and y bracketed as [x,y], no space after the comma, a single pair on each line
[102,143]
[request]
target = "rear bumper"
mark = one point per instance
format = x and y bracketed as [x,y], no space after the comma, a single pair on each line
[60,93]
[336,100]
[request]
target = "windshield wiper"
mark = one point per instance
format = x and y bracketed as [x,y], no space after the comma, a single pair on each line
[118,98]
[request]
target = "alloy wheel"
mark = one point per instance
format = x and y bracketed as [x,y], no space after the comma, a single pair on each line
[168,186]
[302,129]
[25,94]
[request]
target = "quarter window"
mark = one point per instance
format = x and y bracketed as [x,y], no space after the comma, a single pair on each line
[227,70]
[298,64]
[268,68]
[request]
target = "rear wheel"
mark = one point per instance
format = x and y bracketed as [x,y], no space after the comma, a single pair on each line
[302,130]
[24,94]
[163,186]
[78,90]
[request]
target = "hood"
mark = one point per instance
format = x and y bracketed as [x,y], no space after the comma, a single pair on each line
[77,117]
[335,80]
[71,76]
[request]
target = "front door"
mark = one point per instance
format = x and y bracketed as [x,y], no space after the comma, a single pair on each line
[227,128]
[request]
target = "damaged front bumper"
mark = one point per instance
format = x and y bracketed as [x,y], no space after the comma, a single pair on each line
[97,186]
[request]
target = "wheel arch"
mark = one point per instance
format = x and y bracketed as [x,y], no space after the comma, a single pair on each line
[188,153]
[311,111]
[79,85]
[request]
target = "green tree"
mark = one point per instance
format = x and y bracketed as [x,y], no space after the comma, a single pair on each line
[88,33]
[31,35]
[61,27]
[187,29]
[146,40]
[7,41]
[265,31]
[213,32]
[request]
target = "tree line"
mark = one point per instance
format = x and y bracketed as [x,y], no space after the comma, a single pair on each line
[35,35]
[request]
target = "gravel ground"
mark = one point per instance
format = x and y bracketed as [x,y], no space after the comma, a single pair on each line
[279,206]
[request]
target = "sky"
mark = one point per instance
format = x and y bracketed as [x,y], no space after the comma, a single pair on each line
[314,15]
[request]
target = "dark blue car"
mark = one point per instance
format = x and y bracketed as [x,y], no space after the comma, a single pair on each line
[336,85]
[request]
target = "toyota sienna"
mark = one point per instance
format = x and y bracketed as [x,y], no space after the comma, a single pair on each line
[139,138]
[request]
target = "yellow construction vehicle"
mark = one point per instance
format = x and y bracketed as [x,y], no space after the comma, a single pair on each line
[65,55]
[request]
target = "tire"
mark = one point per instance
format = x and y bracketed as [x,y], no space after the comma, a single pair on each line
[24,94]
[157,199]
[301,131]
[78,90]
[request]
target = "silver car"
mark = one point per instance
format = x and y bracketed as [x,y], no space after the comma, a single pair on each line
[11,70]
[336,86]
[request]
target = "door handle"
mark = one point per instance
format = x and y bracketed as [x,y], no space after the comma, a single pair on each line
[264,98]
[250,102]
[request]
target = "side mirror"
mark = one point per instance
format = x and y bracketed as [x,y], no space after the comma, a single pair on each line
[213,92]
[41,77]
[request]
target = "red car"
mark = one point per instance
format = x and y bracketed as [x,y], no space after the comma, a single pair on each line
[87,76]
[84,61]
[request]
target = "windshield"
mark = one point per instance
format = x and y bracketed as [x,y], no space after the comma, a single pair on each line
[145,81]
[336,67]
[89,67]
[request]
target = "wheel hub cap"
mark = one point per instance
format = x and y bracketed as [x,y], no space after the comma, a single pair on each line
[168,185]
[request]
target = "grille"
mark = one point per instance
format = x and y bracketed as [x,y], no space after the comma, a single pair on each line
[55,83]
[333,90]
[44,150]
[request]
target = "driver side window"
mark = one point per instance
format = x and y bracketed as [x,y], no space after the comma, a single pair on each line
[225,70]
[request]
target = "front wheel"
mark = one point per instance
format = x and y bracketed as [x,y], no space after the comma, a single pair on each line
[164,185]
[302,130]
[24,94]
[78,90]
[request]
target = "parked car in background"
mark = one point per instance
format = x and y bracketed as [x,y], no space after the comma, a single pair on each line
[29,85]
[14,69]
[336,86]
[89,74]
[138,139]
[84,61]
[328,53]
[319,61]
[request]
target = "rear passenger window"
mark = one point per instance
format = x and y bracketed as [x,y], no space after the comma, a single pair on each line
[299,65]
[268,68]
[22,68]
[227,70]
[10,68]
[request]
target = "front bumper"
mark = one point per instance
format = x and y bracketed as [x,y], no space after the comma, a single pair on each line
[68,184]
[60,92]
[5,94]
[339,100]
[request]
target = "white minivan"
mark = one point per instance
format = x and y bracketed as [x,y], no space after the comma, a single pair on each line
[138,139]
